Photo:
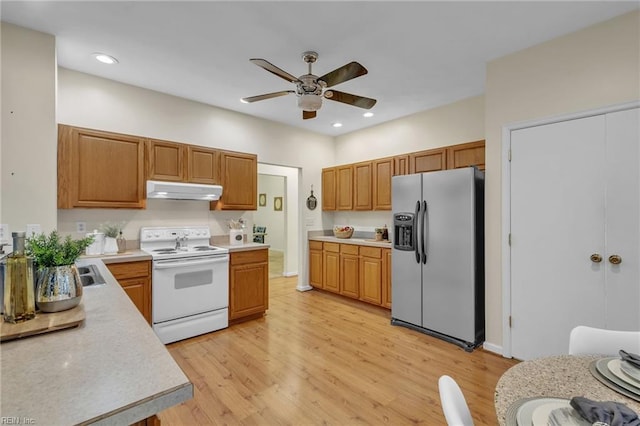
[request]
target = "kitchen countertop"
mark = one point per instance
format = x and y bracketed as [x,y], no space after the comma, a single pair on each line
[244,247]
[110,370]
[128,256]
[356,241]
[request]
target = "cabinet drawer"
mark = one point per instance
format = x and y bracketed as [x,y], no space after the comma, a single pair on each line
[334,247]
[130,269]
[374,252]
[250,256]
[315,245]
[349,249]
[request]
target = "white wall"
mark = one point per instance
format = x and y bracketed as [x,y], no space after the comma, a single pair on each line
[594,67]
[272,186]
[28,166]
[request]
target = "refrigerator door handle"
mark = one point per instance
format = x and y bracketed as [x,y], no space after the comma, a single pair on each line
[416,234]
[424,231]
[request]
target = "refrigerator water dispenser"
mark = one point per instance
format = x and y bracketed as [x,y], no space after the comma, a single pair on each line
[403,236]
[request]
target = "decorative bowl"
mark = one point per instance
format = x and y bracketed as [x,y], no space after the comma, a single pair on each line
[343,231]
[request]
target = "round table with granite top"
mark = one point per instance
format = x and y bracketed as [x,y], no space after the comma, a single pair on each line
[563,376]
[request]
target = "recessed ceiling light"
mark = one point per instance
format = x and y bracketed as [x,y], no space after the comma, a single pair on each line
[243,101]
[337,124]
[367,114]
[105,59]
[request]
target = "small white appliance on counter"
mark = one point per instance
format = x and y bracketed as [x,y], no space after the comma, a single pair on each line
[190,287]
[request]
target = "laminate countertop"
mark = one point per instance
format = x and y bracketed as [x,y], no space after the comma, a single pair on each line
[112,369]
[357,241]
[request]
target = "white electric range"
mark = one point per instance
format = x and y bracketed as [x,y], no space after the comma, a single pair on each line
[190,287]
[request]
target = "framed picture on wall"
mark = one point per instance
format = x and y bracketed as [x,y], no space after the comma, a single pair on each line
[262,200]
[277,204]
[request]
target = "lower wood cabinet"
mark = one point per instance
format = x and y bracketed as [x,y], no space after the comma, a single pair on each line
[355,271]
[248,284]
[135,280]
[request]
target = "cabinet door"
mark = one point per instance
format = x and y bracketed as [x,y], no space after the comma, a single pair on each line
[344,192]
[138,290]
[382,173]
[401,165]
[329,180]
[315,263]
[349,270]
[239,180]
[165,160]
[386,278]
[428,161]
[465,155]
[202,165]
[331,271]
[362,191]
[89,158]
[248,289]
[371,275]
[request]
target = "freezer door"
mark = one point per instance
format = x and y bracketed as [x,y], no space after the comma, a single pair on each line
[448,276]
[406,280]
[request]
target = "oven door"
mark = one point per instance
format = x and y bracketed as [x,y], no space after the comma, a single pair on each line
[189,286]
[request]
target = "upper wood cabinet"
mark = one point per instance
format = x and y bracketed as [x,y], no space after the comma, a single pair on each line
[89,158]
[465,155]
[202,165]
[344,187]
[382,173]
[329,183]
[428,161]
[401,165]
[179,162]
[362,191]
[166,160]
[239,180]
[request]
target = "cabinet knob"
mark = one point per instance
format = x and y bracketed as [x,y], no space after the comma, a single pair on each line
[596,258]
[615,259]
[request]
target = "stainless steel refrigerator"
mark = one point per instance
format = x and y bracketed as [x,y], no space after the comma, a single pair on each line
[438,254]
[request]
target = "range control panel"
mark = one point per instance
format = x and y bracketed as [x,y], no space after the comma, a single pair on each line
[170,234]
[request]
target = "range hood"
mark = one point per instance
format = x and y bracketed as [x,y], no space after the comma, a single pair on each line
[183,191]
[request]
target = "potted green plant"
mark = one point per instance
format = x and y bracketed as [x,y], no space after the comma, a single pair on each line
[58,285]
[111,232]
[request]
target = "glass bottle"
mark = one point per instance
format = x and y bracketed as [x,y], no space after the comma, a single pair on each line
[19,301]
[122,243]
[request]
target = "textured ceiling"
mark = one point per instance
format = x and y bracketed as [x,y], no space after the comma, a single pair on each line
[419,54]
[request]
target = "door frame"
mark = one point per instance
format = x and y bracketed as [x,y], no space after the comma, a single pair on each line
[506,201]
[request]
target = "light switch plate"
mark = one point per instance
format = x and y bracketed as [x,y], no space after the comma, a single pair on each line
[81,227]
[33,229]
[4,233]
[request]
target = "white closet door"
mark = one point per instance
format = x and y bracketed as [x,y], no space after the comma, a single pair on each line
[557,223]
[622,220]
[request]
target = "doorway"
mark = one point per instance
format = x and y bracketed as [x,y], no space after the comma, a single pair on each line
[275,221]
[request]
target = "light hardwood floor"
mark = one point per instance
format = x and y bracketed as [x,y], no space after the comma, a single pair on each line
[317,358]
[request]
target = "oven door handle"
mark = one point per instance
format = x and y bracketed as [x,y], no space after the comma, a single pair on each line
[165,264]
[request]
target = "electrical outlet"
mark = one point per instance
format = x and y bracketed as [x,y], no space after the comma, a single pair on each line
[4,233]
[33,229]
[81,227]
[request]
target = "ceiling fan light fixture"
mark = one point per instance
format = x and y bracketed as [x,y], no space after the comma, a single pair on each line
[309,102]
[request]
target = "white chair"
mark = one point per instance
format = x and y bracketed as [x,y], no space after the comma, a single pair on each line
[454,406]
[589,340]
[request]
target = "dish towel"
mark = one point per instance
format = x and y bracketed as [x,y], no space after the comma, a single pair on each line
[605,412]
[632,359]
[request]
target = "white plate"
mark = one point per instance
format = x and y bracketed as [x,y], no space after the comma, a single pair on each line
[525,412]
[565,414]
[615,366]
[630,370]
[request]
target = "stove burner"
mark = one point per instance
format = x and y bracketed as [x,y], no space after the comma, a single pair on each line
[204,248]
[165,250]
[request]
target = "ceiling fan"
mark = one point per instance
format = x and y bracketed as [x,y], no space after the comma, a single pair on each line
[310,89]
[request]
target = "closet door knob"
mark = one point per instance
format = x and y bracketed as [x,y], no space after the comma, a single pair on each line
[615,259]
[596,258]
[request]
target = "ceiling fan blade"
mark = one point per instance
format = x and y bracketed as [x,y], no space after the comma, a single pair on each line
[348,98]
[344,73]
[308,114]
[266,96]
[274,70]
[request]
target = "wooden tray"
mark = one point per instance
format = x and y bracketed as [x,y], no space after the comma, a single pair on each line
[42,323]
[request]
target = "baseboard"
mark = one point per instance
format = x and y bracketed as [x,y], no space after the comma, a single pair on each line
[289,274]
[304,288]
[492,348]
